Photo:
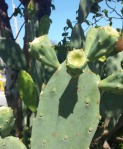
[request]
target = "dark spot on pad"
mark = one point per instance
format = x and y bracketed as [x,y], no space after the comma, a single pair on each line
[69,99]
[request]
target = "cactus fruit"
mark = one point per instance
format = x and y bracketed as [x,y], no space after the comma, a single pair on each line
[6,121]
[12,54]
[103,43]
[76,62]
[119,45]
[68,112]
[42,50]
[27,90]
[11,143]
[77,37]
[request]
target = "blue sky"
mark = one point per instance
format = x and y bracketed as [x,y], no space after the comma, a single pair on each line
[65,9]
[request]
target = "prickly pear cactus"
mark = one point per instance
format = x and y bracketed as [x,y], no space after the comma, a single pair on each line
[113,64]
[77,37]
[113,83]
[27,90]
[102,44]
[32,9]
[36,72]
[11,143]
[48,72]
[114,74]
[42,50]
[90,39]
[6,121]
[84,9]
[111,105]
[12,54]
[68,111]
[44,25]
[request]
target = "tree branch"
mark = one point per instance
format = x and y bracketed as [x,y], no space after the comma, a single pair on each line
[113,9]
[13,12]
[19,31]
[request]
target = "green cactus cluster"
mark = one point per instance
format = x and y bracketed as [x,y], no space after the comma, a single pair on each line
[102,44]
[111,106]
[55,121]
[68,112]
[67,99]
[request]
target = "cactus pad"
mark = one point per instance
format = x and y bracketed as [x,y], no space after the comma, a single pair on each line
[77,37]
[11,143]
[113,83]
[12,54]
[44,25]
[102,44]
[27,90]
[6,121]
[42,50]
[68,111]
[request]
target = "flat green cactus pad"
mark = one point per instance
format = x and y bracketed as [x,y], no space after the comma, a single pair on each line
[12,54]
[44,25]
[37,69]
[11,143]
[42,50]
[111,107]
[77,37]
[113,83]
[27,90]
[6,121]
[99,44]
[68,111]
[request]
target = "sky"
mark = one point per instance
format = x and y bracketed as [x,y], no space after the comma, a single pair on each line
[65,9]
